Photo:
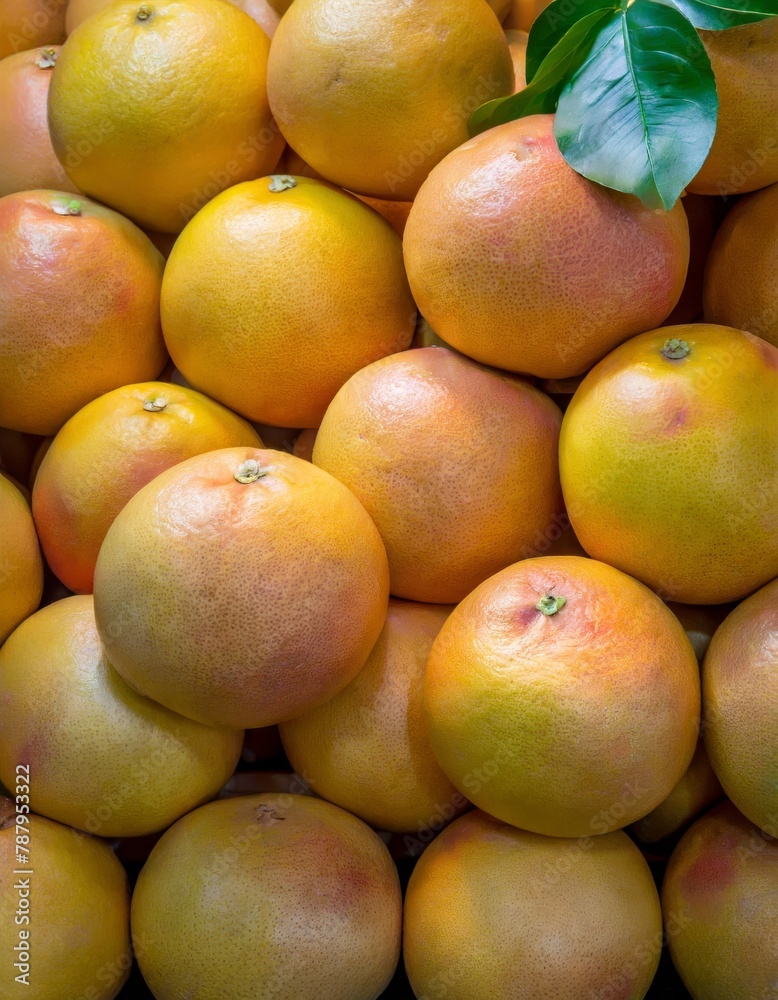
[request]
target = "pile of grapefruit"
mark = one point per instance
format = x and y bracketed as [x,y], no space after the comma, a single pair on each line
[388,519]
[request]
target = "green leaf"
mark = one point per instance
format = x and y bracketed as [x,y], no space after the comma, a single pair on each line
[541,96]
[553,23]
[717,15]
[639,114]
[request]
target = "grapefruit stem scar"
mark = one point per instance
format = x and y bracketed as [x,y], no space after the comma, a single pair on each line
[70,207]
[281,182]
[155,404]
[46,58]
[675,349]
[550,604]
[145,11]
[249,472]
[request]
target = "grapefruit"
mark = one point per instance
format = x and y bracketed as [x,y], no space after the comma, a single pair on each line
[740,702]
[27,159]
[21,576]
[155,108]
[78,906]
[383,770]
[373,93]
[258,10]
[270,895]
[278,291]
[563,697]
[741,289]
[510,255]
[79,307]
[495,912]
[720,904]
[699,788]
[104,759]
[455,463]
[669,465]
[517,43]
[106,452]
[523,13]
[704,214]
[241,588]
[27,24]
[744,154]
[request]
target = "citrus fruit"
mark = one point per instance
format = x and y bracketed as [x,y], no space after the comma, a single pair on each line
[241,587]
[395,212]
[517,43]
[21,567]
[744,154]
[703,214]
[105,759]
[373,93]
[669,465]
[106,452]
[699,788]
[741,278]
[27,158]
[26,24]
[510,255]
[304,442]
[456,465]
[492,911]
[259,10]
[270,895]
[523,13]
[740,701]
[77,904]
[384,771]
[563,697]
[79,307]
[278,291]
[720,905]
[501,8]
[155,108]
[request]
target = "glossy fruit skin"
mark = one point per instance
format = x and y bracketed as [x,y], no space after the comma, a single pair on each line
[159,168]
[351,88]
[79,307]
[740,277]
[110,449]
[305,904]
[80,905]
[367,748]
[669,467]
[568,724]
[510,252]
[241,604]
[720,905]
[259,10]
[26,24]
[278,291]
[744,154]
[455,463]
[27,159]
[106,760]
[740,696]
[495,912]
[21,579]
